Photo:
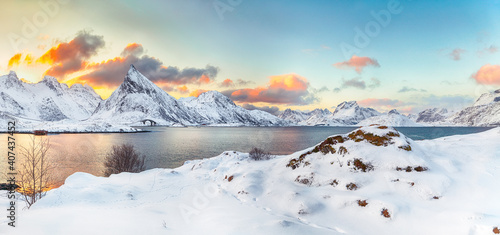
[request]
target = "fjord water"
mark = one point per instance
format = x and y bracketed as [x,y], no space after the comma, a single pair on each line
[168,147]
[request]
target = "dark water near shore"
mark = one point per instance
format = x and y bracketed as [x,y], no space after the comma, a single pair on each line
[169,147]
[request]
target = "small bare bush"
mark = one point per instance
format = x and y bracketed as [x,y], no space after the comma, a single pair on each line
[35,173]
[259,154]
[123,158]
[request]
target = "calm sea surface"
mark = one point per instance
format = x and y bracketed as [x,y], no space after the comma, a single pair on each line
[169,147]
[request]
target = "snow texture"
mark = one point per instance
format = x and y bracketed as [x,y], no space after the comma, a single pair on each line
[340,186]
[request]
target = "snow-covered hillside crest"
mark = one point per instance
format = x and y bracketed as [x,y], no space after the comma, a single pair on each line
[139,99]
[392,118]
[374,174]
[47,100]
[484,112]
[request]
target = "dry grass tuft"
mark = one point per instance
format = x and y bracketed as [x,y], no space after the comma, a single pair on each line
[305,180]
[376,140]
[385,213]
[405,147]
[343,150]
[360,165]
[352,186]
[410,169]
[362,203]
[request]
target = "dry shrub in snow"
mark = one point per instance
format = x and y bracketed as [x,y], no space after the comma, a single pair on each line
[259,154]
[123,158]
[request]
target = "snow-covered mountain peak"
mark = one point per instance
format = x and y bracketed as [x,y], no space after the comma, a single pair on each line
[135,82]
[395,112]
[11,80]
[488,98]
[347,105]
[49,79]
[12,76]
[213,97]
[320,112]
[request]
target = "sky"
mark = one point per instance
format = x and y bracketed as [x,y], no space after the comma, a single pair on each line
[271,55]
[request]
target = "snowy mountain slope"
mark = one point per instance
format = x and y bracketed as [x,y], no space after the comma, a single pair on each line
[319,117]
[393,118]
[216,108]
[488,98]
[350,113]
[484,112]
[432,115]
[47,100]
[346,114]
[312,118]
[373,180]
[294,116]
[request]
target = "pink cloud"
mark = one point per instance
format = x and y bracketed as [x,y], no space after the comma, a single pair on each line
[457,54]
[488,74]
[358,63]
[282,89]
[227,83]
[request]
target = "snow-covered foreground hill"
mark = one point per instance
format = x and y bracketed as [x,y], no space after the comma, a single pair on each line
[373,180]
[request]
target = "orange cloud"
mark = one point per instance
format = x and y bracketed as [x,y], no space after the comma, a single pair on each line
[70,61]
[183,89]
[488,74]
[197,92]
[28,59]
[72,56]
[227,83]
[358,63]
[290,82]
[15,60]
[282,89]
[204,79]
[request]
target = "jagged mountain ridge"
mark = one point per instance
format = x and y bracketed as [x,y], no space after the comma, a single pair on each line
[345,114]
[139,99]
[484,112]
[47,100]
[392,118]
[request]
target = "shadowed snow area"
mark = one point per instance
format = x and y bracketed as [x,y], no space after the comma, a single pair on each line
[373,180]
